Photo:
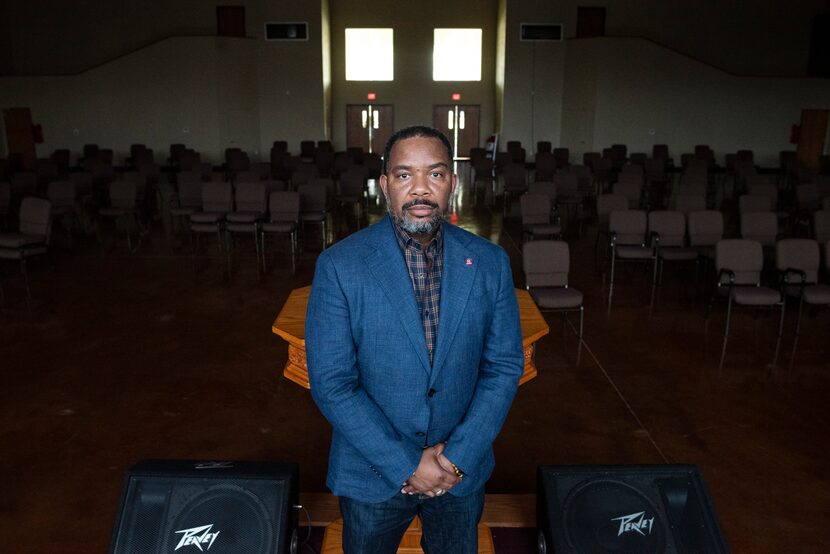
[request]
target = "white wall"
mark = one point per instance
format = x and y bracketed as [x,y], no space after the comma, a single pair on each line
[683,101]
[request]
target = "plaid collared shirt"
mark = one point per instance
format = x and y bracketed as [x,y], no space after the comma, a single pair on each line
[425,272]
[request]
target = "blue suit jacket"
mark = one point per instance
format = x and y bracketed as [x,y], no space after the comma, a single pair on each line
[369,367]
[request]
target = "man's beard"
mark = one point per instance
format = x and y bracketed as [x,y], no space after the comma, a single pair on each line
[425,226]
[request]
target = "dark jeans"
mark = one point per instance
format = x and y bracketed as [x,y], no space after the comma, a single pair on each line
[450,523]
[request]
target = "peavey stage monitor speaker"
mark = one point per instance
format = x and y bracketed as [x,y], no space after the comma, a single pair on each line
[188,507]
[625,510]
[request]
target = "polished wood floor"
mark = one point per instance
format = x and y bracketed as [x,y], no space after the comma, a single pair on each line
[131,356]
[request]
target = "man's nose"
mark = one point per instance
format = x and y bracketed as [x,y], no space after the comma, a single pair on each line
[420,183]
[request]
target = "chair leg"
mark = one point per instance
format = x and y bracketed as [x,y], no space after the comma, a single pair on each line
[780,332]
[611,279]
[655,276]
[293,237]
[579,346]
[725,333]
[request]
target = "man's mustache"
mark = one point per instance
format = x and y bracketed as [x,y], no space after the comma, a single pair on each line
[423,202]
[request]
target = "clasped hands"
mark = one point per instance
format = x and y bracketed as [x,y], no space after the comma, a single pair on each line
[434,475]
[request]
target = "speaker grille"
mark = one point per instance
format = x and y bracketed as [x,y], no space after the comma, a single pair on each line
[189,515]
[605,516]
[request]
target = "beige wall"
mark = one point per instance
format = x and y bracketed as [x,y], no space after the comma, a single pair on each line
[200,91]
[681,101]
[534,73]
[413,92]
[291,91]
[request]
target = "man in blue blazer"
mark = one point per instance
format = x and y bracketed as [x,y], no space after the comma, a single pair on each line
[414,351]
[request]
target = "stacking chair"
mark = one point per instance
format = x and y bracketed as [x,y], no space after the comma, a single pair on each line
[515,183]
[667,230]
[304,173]
[750,203]
[545,167]
[739,263]
[546,265]
[251,205]
[61,195]
[632,190]
[284,218]
[688,203]
[31,240]
[627,232]
[482,173]
[705,229]
[217,202]
[188,200]
[313,202]
[352,191]
[536,217]
[606,203]
[761,227]
[122,209]
[798,262]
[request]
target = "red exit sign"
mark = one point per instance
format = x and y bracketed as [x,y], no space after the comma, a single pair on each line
[456,96]
[371,96]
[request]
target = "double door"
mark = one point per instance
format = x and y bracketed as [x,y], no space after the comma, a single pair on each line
[369,126]
[460,124]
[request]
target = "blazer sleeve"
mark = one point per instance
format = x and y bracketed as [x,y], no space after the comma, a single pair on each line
[334,380]
[501,367]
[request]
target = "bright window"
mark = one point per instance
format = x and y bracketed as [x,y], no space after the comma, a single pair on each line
[456,55]
[369,55]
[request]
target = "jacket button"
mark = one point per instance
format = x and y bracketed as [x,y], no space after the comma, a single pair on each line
[420,434]
[431,393]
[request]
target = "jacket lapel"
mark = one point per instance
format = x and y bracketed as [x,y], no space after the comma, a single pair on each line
[457,276]
[386,262]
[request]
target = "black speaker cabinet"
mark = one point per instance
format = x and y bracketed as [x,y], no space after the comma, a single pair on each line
[188,507]
[625,510]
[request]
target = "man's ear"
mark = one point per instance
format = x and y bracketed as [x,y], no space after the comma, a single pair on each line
[383,183]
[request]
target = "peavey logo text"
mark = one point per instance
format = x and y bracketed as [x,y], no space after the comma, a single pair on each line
[634,522]
[197,536]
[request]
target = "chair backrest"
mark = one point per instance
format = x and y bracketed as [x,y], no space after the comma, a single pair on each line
[35,217]
[655,169]
[705,227]
[660,151]
[544,187]
[183,177]
[61,194]
[312,197]
[801,254]
[546,263]
[749,203]
[262,169]
[515,174]
[566,184]
[24,183]
[304,173]
[122,194]
[631,172]
[807,197]
[687,203]
[545,166]
[745,258]
[765,189]
[760,226]
[535,209]
[607,203]
[629,226]
[250,197]
[669,225]
[632,190]
[284,205]
[821,225]
[217,197]
[353,181]
[190,193]
[246,177]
